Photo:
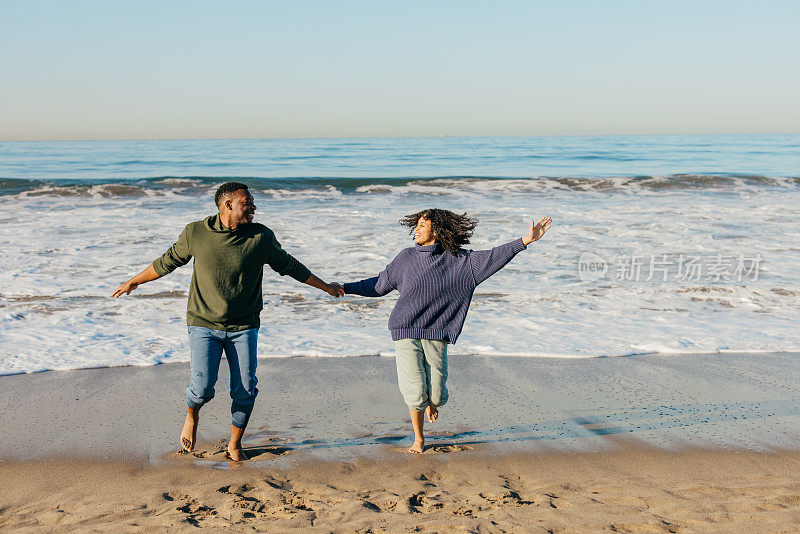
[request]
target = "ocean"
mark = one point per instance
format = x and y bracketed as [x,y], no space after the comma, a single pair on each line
[676,245]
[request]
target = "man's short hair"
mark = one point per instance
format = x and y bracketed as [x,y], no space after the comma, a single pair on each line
[226,189]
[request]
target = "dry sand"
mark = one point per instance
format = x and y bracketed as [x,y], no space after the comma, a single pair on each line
[641,444]
[630,491]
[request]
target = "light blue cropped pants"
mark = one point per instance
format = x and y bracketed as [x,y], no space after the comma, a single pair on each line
[206,347]
[422,372]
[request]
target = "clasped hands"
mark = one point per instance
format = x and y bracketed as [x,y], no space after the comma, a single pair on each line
[335,290]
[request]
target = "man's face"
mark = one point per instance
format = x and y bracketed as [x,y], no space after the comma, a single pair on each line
[242,206]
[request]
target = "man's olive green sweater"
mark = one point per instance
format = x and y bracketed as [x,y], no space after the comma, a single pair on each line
[225,293]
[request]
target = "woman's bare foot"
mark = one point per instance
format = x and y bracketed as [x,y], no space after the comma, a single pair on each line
[417,421]
[417,447]
[432,412]
[189,432]
[236,455]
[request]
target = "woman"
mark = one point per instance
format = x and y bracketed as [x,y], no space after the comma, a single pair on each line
[436,279]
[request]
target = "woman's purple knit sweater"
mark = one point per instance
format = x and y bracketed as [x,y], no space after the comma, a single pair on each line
[435,287]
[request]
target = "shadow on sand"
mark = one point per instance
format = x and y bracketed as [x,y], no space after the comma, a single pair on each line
[630,421]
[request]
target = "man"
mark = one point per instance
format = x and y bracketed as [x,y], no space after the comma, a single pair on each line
[222,313]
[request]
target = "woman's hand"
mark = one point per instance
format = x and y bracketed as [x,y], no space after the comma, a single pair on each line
[537,230]
[335,290]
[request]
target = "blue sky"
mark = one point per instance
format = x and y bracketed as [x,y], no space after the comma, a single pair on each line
[125,70]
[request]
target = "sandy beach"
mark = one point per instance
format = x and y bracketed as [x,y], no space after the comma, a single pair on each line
[625,491]
[690,443]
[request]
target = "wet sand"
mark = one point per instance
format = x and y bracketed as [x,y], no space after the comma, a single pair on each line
[636,444]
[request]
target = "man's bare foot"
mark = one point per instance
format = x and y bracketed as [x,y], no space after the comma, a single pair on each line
[189,432]
[237,455]
[432,412]
[417,447]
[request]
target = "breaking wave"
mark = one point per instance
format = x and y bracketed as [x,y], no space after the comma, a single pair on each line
[202,185]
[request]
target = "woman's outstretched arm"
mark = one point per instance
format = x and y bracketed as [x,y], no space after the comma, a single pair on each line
[484,263]
[366,287]
[377,286]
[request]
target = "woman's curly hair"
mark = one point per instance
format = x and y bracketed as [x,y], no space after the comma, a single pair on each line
[451,229]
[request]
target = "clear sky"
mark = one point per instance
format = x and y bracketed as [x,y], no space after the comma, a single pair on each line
[197,69]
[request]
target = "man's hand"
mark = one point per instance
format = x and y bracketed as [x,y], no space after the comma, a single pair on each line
[148,275]
[334,289]
[537,230]
[126,288]
[337,289]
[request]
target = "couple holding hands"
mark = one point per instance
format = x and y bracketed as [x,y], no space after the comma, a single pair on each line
[435,280]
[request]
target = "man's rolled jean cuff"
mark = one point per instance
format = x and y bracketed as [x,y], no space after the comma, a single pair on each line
[194,405]
[240,415]
[240,422]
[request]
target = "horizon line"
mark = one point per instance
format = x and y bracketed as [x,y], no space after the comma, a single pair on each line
[247,138]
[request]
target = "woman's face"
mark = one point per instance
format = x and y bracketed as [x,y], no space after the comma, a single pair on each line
[423,233]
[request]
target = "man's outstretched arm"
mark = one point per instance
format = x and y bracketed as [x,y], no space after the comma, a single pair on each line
[331,289]
[177,255]
[148,275]
[284,264]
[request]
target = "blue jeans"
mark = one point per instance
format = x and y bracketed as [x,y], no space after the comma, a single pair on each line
[206,346]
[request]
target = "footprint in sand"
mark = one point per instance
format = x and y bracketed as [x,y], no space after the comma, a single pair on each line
[507,498]
[195,512]
[265,453]
[218,450]
[236,489]
[456,447]
[423,503]
[192,454]
[438,449]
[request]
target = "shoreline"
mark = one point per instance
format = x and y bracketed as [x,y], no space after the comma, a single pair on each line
[342,408]
[452,354]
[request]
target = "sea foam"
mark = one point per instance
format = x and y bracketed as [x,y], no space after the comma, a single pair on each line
[69,237]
